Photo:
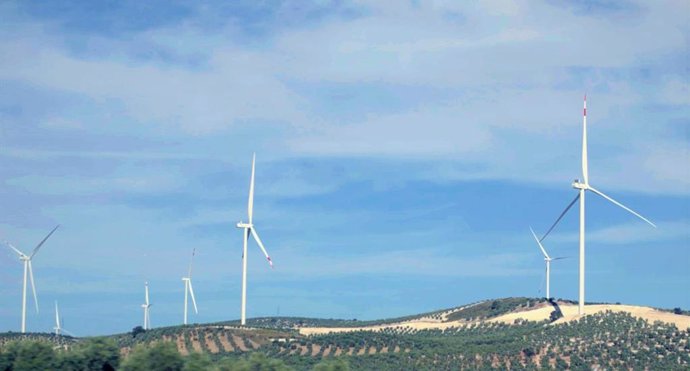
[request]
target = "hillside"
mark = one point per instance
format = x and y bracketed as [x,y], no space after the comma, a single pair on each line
[512,333]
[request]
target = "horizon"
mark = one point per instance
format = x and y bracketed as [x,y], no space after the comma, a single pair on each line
[403,151]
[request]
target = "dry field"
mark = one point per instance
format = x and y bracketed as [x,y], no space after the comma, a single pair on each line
[537,314]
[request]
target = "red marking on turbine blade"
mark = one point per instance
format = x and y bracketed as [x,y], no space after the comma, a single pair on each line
[269,261]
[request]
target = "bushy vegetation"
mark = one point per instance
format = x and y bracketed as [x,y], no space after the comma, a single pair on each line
[39,354]
[605,340]
[493,308]
[103,355]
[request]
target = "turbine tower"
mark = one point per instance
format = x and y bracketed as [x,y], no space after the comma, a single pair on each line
[188,289]
[26,259]
[548,261]
[249,228]
[582,187]
[58,325]
[146,306]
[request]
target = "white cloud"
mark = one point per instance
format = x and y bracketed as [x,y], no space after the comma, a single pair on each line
[510,111]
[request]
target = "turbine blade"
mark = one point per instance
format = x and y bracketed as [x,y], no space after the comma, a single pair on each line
[261,245]
[33,286]
[68,333]
[42,242]
[250,205]
[621,205]
[585,165]
[190,263]
[561,216]
[561,258]
[539,243]
[146,290]
[191,291]
[14,248]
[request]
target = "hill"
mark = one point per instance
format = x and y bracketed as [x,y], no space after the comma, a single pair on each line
[512,333]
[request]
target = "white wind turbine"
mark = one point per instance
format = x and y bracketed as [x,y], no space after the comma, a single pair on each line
[548,261]
[58,323]
[26,259]
[188,289]
[146,306]
[249,228]
[582,187]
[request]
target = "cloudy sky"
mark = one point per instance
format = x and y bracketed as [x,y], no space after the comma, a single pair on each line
[403,151]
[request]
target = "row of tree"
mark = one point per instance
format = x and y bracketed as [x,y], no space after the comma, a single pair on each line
[102,354]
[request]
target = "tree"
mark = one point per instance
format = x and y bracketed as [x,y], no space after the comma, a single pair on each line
[160,356]
[69,361]
[197,362]
[8,355]
[334,365]
[137,330]
[34,355]
[100,354]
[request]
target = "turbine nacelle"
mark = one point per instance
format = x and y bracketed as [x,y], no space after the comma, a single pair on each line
[579,185]
[245,225]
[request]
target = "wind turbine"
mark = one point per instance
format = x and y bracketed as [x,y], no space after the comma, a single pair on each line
[58,323]
[27,268]
[249,228]
[188,289]
[146,306]
[582,187]
[548,261]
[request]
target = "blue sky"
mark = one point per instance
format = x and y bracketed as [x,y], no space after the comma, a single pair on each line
[403,151]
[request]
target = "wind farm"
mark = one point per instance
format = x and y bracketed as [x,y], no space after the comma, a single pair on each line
[255,335]
[440,185]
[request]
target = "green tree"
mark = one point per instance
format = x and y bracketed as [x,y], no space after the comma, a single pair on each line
[8,355]
[100,354]
[333,365]
[259,362]
[197,362]
[137,330]
[70,361]
[34,355]
[158,357]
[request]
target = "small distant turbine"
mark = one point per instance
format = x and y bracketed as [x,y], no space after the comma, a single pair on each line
[249,228]
[548,261]
[146,306]
[188,289]
[28,269]
[58,323]
[582,187]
